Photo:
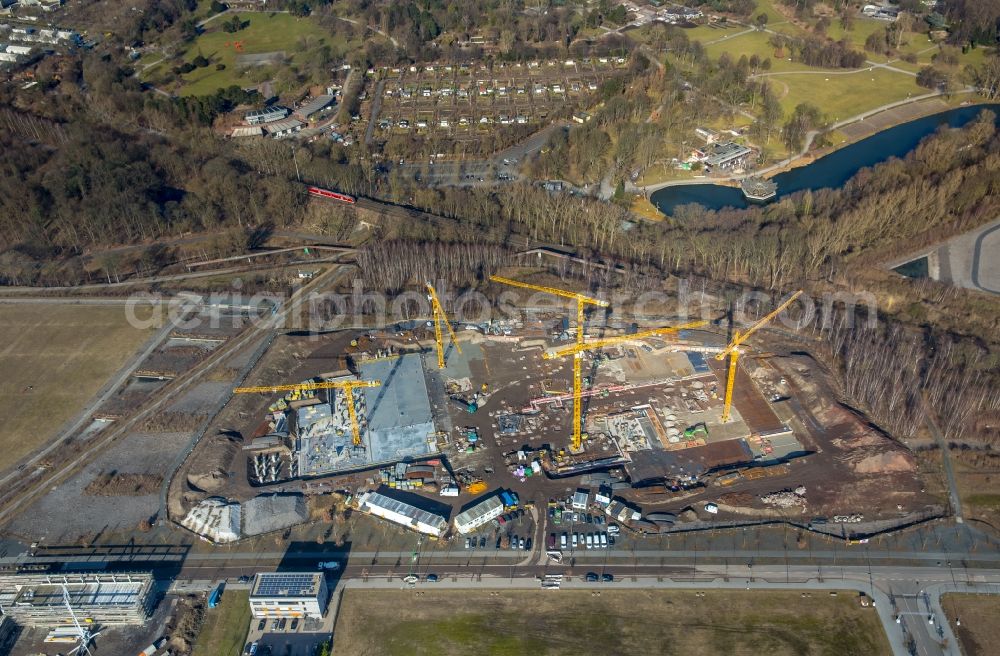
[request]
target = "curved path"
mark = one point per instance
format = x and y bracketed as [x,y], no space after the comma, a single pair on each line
[778,166]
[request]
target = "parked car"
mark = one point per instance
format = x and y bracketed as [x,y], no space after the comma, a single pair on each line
[527,544]
[591,577]
[274,625]
[607,578]
[590,540]
[520,544]
[432,578]
[613,529]
[482,542]
[295,624]
[562,541]
[243,579]
[261,624]
[576,539]
[513,542]
[604,540]
[282,624]
[468,543]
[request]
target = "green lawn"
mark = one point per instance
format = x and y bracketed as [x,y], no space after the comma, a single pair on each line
[856,37]
[773,17]
[225,626]
[842,96]
[755,43]
[265,33]
[705,33]
[539,622]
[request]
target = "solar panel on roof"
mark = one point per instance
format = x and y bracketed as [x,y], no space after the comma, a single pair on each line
[286,585]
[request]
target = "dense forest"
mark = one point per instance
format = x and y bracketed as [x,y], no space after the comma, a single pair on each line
[825,241]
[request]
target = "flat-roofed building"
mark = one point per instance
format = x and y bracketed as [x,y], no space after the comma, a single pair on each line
[103,598]
[482,512]
[283,128]
[402,513]
[728,155]
[314,107]
[289,595]
[266,115]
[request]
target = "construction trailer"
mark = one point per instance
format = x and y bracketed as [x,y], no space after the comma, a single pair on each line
[96,598]
[402,513]
[479,514]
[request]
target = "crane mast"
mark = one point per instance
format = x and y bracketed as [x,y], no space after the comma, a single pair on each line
[581,302]
[347,386]
[439,319]
[733,351]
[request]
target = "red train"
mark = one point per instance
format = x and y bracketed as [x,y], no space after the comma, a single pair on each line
[331,195]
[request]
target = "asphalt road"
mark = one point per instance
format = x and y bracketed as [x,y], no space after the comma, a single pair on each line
[905,583]
[481,172]
[907,599]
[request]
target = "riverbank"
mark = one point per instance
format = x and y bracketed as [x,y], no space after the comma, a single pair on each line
[854,129]
[830,167]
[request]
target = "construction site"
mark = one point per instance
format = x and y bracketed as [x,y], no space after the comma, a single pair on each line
[674,423]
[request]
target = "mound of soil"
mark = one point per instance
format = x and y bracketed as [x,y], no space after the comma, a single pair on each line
[116,484]
[882,463]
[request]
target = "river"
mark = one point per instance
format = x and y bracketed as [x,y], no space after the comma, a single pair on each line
[832,170]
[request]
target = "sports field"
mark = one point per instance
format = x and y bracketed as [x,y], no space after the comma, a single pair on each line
[570,623]
[54,359]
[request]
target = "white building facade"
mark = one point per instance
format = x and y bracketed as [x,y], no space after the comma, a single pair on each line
[483,512]
[402,513]
[289,595]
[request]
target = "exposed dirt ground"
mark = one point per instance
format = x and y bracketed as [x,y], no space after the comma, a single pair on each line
[445,623]
[116,484]
[977,473]
[980,617]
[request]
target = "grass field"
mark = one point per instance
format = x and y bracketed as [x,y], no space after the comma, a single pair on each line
[979,633]
[755,43]
[842,96]
[225,626]
[55,358]
[265,33]
[542,622]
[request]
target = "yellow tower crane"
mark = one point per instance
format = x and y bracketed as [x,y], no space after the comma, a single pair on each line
[581,302]
[440,318]
[347,386]
[733,351]
[578,349]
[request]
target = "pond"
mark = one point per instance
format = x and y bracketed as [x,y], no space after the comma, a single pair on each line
[832,170]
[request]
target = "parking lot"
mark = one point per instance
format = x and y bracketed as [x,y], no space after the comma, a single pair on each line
[290,637]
